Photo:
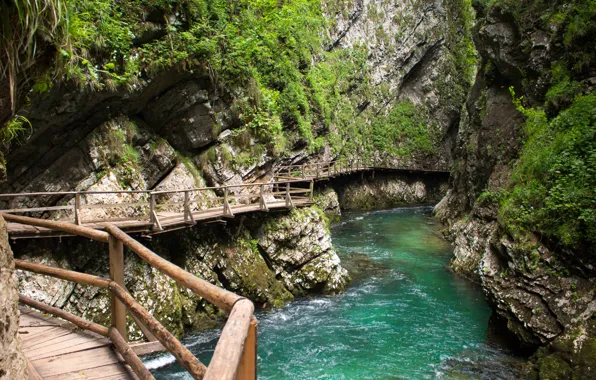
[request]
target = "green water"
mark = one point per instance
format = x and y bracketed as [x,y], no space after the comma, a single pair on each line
[404,316]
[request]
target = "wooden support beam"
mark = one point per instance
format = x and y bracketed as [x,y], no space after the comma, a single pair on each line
[247,370]
[130,357]
[78,321]
[219,297]
[262,200]
[312,191]
[230,347]
[146,348]
[153,219]
[188,218]
[227,210]
[289,203]
[186,359]
[77,209]
[117,275]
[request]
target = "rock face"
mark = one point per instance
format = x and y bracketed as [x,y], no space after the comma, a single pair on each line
[386,191]
[413,50]
[542,293]
[12,361]
[268,259]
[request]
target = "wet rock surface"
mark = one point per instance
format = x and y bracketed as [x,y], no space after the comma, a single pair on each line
[12,361]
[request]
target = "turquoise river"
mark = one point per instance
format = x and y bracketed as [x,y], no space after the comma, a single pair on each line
[404,315]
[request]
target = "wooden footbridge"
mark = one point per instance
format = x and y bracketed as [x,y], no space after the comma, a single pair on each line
[74,348]
[153,211]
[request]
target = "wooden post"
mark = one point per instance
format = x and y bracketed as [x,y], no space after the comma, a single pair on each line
[317,169]
[247,370]
[117,275]
[263,202]
[312,190]
[303,172]
[77,209]
[152,209]
[289,203]
[227,210]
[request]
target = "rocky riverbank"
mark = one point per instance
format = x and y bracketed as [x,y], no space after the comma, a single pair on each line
[541,288]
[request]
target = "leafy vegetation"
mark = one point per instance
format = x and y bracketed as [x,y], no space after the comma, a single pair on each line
[405,131]
[552,191]
[17,127]
[288,90]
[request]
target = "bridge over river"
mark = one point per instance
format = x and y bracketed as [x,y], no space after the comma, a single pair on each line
[72,347]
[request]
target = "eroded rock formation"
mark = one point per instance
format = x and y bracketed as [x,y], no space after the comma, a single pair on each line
[12,361]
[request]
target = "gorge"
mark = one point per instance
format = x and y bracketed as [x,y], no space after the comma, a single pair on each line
[154,95]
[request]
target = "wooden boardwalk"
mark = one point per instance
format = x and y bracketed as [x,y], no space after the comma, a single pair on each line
[168,221]
[168,210]
[60,350]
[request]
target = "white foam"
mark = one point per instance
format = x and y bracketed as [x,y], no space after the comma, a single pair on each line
[160,361]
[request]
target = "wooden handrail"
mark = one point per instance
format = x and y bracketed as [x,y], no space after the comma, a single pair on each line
[181,353]
[60,226]
[63,274]
[240,328]
[219,297]
[129,355]
[229,348]
[80,322]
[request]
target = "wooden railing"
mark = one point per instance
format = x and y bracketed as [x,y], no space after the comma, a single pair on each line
[235,353]
[144,205]
[327,169]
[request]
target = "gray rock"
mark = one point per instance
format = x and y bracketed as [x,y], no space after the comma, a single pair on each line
[12,360]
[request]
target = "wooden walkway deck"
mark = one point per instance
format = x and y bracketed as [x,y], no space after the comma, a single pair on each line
[292,187]
[60,350]
[168,221]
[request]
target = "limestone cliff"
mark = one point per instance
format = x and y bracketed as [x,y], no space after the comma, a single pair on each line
[541,287]
[12,361]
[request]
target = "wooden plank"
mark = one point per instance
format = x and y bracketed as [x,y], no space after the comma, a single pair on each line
[73,338]
[36,340]
[32,372]
[66,348]
[75,361]
[110,371]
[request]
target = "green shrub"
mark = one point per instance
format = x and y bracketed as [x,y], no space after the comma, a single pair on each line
[553,187]
[405,131]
